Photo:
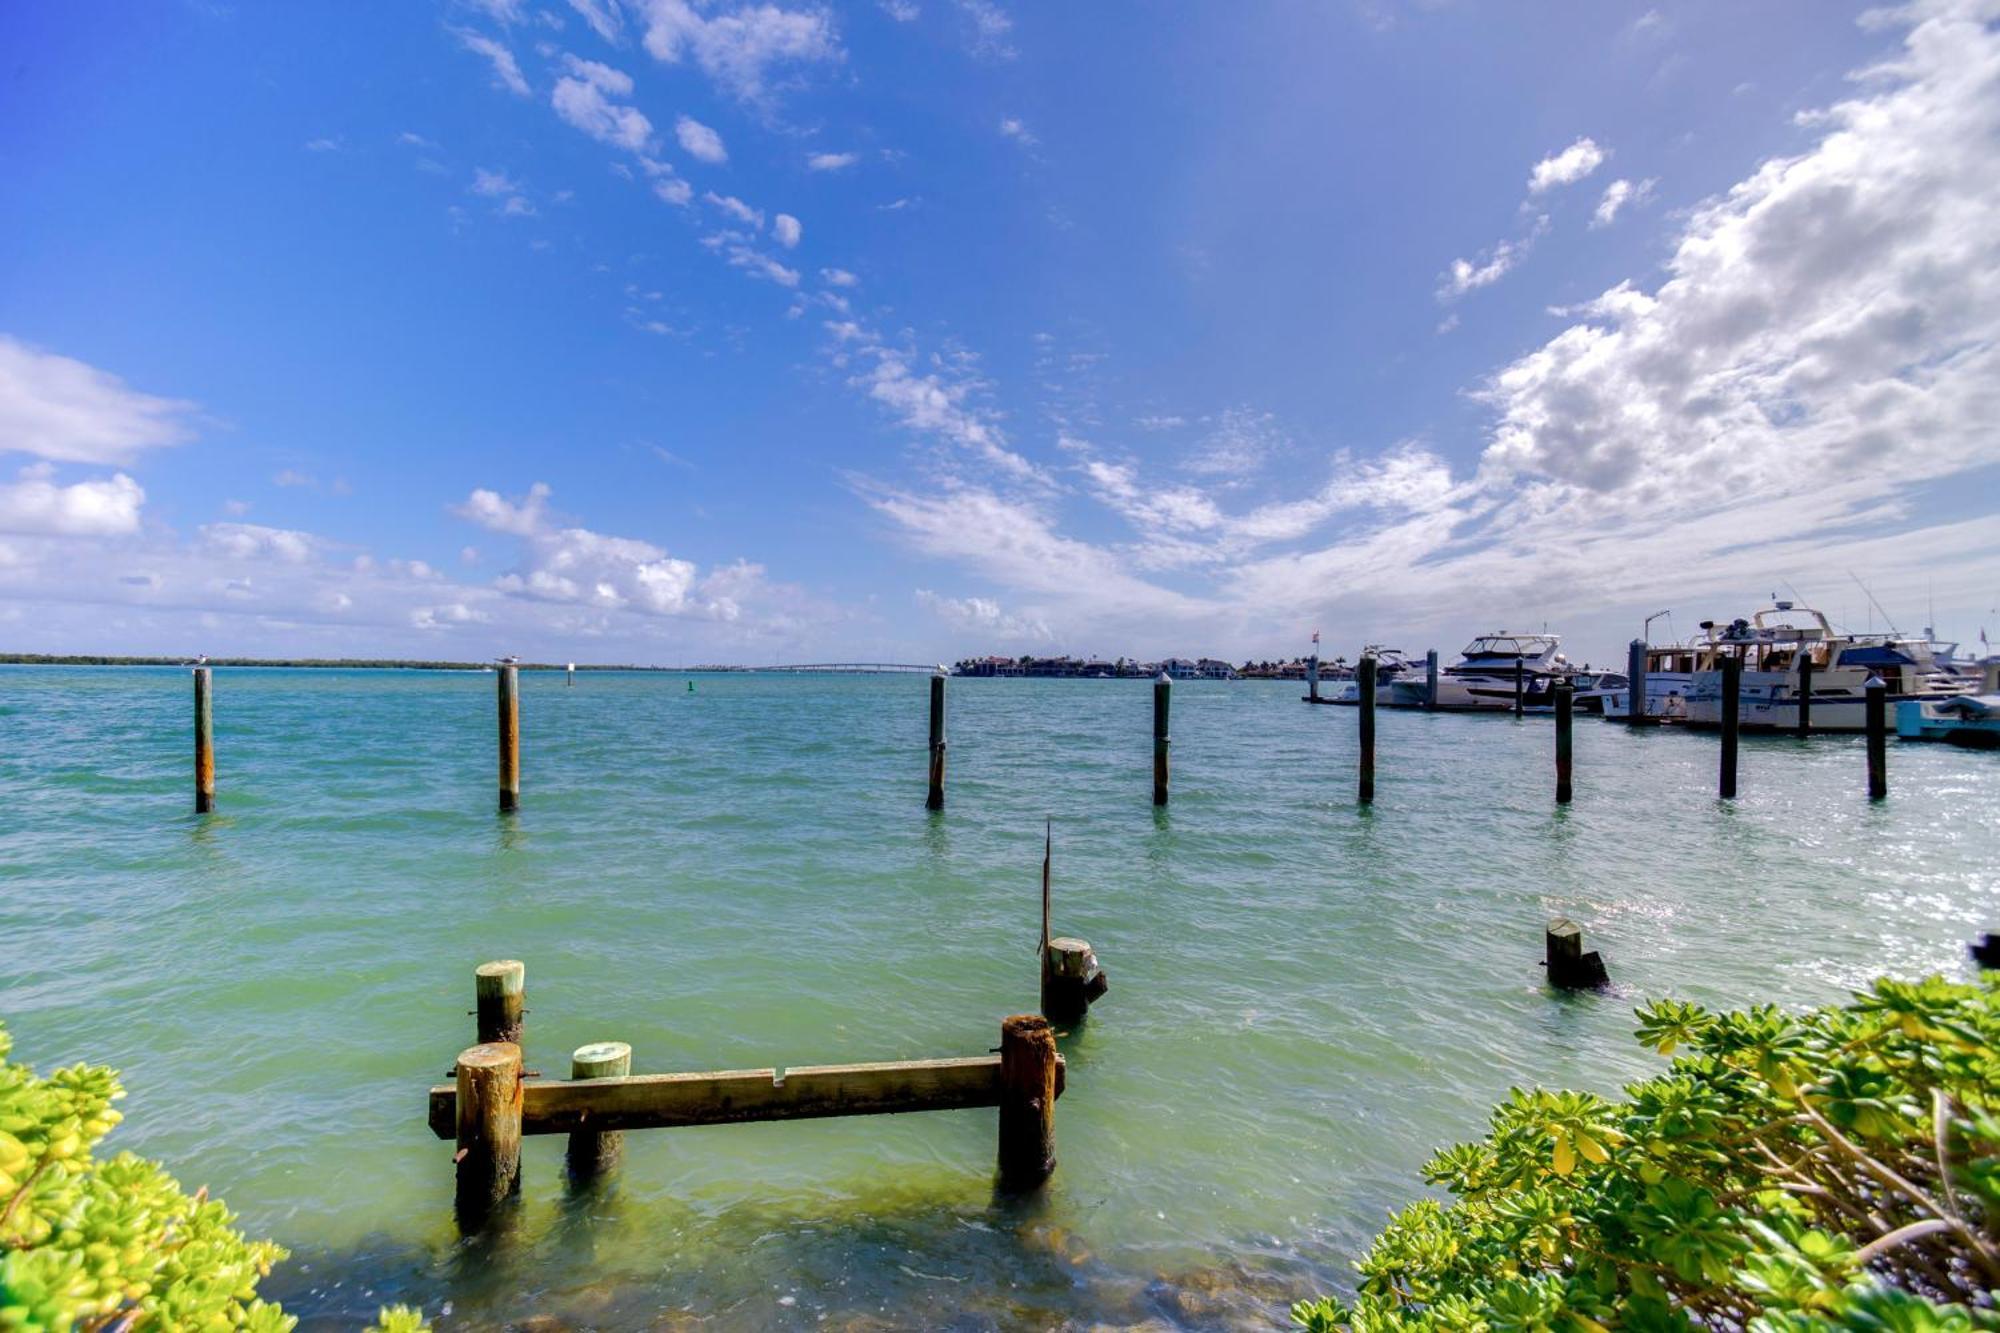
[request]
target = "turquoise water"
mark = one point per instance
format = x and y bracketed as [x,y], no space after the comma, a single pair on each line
[1307,997]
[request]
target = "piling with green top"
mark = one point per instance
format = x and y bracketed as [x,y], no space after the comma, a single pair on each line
[1565,692]
[1162,705]
[935,800]
[1877,706]
[1732,690]
[1364,680]
[510,739]
[204,743]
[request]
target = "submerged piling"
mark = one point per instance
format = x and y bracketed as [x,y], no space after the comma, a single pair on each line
[204,743]
[1877,708]
[1570,968]
[1732,690]
[1565,692]
[499,993]
[1635,686]
[489,1129]
[592,1154]
[1431,679]
[935,799]
[510,738]
[1027,1102]
[1364,680]
[1805,692]
[1162,704]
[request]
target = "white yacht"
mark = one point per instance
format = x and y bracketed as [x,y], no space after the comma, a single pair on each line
[1670,672]
[1484,675]
[1774,644]
[1340,685]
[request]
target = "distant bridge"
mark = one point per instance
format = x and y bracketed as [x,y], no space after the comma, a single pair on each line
[851,668]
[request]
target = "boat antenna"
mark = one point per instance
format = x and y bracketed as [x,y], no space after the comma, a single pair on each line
[1646,631]
[1887,619]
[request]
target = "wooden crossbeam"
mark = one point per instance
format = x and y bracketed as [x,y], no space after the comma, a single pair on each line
[738,1096]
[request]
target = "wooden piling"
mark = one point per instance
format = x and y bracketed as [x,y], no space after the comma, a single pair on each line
[1071,979]
[499,990]
[1162,705]
[1732,691]
[204,743]
[1565,692]
[1986,951]
[489,1129]
[1431,679]
[1312,677]
[1635,678]
[510,738]
[1805,693]
[1569,967]
[593,1154]
[569,676]
[1520,685]
[1028,1071]
[1877,713]
[935,800]
[1364,681]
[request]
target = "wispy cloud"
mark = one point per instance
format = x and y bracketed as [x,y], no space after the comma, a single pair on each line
[583,97]
[506,70]
[61,409]
[699,141]
[740,47]
[1567,167]
[831,161]
[1616,196]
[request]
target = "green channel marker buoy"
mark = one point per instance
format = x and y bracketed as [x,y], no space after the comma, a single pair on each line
[690,687]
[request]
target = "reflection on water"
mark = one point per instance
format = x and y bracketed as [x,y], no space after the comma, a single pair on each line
[1308,997]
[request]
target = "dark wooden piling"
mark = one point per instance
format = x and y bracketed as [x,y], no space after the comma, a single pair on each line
[1431,679]
[1364,681]
[1732,692]
[1805,693]
[1986,951]
[1569,967]
[1520,685]
[1565,692]
[510,738]
[1028,1070]
[1071,980]
[499,990]
[1162,706]
[1877,711]
[489,1091]
[935,799]
[592,1154]
[1312,677]
[1635,682]
[204,743]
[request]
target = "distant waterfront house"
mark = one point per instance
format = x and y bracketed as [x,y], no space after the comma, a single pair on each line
[1208,668]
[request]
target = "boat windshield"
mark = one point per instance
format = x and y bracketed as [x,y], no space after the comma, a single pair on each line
[1510,645]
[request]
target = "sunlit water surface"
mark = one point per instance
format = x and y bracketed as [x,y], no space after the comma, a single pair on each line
[1307,997]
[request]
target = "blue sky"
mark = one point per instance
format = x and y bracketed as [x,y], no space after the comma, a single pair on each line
[658,330]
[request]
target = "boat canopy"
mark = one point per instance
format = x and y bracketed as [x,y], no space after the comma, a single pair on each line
[1510,646]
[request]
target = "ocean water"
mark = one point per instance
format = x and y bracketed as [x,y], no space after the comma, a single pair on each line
[1307,997]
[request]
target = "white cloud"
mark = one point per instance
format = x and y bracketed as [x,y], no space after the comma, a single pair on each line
[603,16]
[983,616]
[838,277]
[1491,265]
[493,184]
[675,191]
[506,70]
[447,616]
[253,541]
[756,263]
[36,504]
[903,11]
[736,208]
[939,402]
[61,409]
[787,230]
[989,27]
[1013,127]
[1569,166]
[699,141]
[831,161]
[583,98]
[1616,196]
[740,47]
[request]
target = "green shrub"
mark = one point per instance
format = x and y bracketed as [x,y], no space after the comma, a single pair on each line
[116,1244]
[1788,1173]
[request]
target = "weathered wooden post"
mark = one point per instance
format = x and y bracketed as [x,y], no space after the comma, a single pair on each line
[1364,681]
[510,738]
[1565,692]
[1635,676]
[1732,690]
[935,800]
[1570,968]
[1520,685]
[1312,678]
[1805,693]
[489,1129]
[1162,704]
[1027,1102]
[569,676]
[1877,712]
[592,1154]
[204,743]
[1431,679]
[499,990]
